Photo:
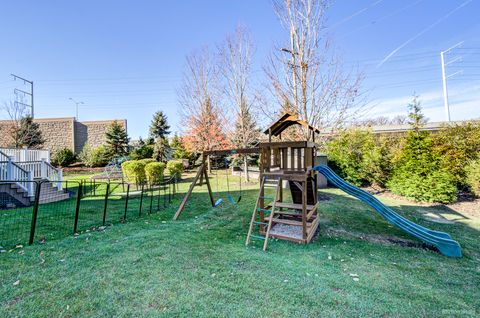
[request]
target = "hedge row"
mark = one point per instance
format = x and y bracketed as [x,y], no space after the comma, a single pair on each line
[420,165]
[150,171]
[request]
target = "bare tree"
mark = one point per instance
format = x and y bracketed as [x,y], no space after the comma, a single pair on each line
[306,75]
[199,98]
[235,55]
[15,112]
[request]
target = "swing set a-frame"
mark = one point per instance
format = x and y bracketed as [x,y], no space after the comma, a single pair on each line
[202,174]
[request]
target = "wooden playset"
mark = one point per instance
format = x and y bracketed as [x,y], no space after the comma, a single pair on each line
[283,164]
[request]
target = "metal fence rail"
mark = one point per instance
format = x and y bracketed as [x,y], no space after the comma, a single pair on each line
[72,207]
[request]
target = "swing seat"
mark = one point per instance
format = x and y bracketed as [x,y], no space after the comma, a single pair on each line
[218,202]
[230,198]
[239,199]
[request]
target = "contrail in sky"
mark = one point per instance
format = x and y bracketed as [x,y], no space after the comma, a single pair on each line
[422,32]
[355,14]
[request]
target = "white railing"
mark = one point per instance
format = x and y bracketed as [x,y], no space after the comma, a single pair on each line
[23,155]
[23,173]
[43,170]
[10,171]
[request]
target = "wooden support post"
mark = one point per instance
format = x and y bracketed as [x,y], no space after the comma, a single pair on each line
[304,210]
[210,194]
[192,185]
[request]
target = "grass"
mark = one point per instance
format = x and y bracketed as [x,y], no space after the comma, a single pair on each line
[198,266]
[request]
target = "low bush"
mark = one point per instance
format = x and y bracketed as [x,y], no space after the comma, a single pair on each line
[134,171]
[63,157]
[175,167]
[94,157]
[154,172]
[473,177]
[437,186]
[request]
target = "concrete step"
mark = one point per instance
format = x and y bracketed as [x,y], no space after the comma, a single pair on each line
[55,198]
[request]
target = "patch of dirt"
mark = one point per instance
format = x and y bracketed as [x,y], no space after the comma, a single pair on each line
[467,204]
[376,238]
[82,169]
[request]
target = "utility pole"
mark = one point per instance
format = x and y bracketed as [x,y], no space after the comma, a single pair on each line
[445,77]
[76,107]
[16,91]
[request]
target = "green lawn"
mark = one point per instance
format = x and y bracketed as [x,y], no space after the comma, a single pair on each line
[199,267]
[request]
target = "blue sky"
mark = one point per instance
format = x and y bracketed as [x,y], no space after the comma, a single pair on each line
[124,59]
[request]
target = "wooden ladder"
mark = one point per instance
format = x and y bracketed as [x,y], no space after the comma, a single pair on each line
[261,195]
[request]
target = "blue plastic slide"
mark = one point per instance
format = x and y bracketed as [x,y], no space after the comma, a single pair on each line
[441,240]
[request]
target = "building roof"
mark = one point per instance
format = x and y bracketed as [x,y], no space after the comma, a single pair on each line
[286,121]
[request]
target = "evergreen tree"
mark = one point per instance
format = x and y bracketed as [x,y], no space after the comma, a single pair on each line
[179,150]
[29,134]
[117,139]
[415,115]
[419,174]
[159,128]
[161,149]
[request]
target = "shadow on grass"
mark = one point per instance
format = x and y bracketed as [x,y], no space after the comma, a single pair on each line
[345,217]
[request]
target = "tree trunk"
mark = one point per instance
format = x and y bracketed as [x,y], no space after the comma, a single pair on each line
[245,164]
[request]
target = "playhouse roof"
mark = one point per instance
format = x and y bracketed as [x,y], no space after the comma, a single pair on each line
[286,121]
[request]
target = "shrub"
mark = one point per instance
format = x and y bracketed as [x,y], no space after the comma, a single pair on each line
[145,151]
[457,145]
[359,157]
[63,157]
[147,160]
[437,186]
[419,175]
[175,167]
[473,177]
[94,157]
[134,171]
[154,172]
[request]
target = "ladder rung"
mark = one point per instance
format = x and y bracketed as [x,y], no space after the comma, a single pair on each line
[263,223]
[264,210]
[257,237]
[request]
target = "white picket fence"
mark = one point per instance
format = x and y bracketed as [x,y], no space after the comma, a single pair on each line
[23,155]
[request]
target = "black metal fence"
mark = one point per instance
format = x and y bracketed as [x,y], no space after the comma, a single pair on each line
[59,209]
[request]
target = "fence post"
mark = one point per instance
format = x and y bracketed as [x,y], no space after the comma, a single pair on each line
[77,207]
[35,213]
[151,199]
[106,203]
[126,202]
[141,201]
[169,193]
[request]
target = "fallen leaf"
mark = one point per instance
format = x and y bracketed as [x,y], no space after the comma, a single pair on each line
[356,279]
[16,283]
